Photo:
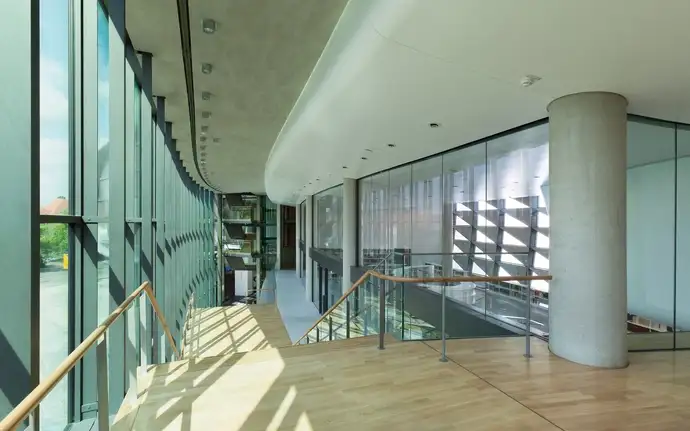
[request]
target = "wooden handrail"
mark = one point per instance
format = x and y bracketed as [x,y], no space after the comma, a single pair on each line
[29,403]
[458,279]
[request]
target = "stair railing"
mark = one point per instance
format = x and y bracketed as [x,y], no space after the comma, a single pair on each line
[98,337]
[445,281]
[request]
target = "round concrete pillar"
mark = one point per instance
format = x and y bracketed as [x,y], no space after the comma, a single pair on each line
[587,188]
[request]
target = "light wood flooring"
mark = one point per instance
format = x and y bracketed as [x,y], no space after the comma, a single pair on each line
[351,385]
[238,328]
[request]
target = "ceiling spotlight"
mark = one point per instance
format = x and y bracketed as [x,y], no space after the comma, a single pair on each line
[202,139]
[206,68]
[205,114]
[391,145]
[205,95]
[209,26]
[344,167]
[364,158]
[434,125]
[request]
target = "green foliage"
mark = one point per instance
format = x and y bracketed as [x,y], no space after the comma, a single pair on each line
[54,241]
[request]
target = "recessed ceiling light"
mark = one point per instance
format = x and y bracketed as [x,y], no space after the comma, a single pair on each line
[204,129]
[317,179]
[391,145]
[202,139]
[434,125]
[205,114]
[364,158]
[203,154]
[368,150]
[216,140]
[206,68]
[205,95]
[344,167]
[209,26]
[529,80]
[203,147]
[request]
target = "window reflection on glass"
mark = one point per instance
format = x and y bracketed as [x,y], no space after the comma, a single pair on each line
[54,319]
[54,109]
[103,112]
[650,241]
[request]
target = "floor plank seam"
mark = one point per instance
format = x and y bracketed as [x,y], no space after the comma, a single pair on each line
[494,386]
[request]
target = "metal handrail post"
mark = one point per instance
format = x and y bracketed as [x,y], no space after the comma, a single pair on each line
[443,323]
[528,324]
[382,313]
[102,383]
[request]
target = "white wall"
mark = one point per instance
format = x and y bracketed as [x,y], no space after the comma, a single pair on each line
[651,243]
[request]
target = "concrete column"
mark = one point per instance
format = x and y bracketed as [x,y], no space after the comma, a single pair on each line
[307,245]
[349,230]
[298,227]
[587,187]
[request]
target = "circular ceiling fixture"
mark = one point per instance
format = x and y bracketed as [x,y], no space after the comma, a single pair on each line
[208,26]
[529,80]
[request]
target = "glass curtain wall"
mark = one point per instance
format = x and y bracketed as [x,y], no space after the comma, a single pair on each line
[303,240]
[658,207]
[97,202]
[483,209]
[328,238]
[478,210]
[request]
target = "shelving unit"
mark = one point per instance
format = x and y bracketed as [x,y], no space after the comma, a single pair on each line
[249,240]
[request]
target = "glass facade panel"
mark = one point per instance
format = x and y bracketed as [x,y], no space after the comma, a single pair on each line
[54,314]
[95,239]
[103,111]
[682,275]
[650,233]
[328,219]
[54,109]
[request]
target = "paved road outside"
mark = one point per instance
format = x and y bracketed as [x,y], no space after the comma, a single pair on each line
[54,315]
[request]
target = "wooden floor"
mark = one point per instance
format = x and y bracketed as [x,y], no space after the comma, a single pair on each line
[351,385]
[238,328]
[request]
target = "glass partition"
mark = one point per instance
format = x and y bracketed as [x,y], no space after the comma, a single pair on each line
[483,209]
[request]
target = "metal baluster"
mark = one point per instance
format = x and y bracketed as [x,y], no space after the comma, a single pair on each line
[102,384]
[347,317]
[528,324]
[330,328]
[382,314]
[443,323]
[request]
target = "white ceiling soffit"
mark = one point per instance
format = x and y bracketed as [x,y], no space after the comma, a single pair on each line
[262,53]
[394,66]
[160,36]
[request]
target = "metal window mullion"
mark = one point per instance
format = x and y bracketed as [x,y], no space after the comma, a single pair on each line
[159,248]
[146,205]
[132,279]
[88,241]
[74,398]
[116,201]
[20,195]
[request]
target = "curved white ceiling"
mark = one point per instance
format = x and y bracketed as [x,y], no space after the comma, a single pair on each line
[392,67]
